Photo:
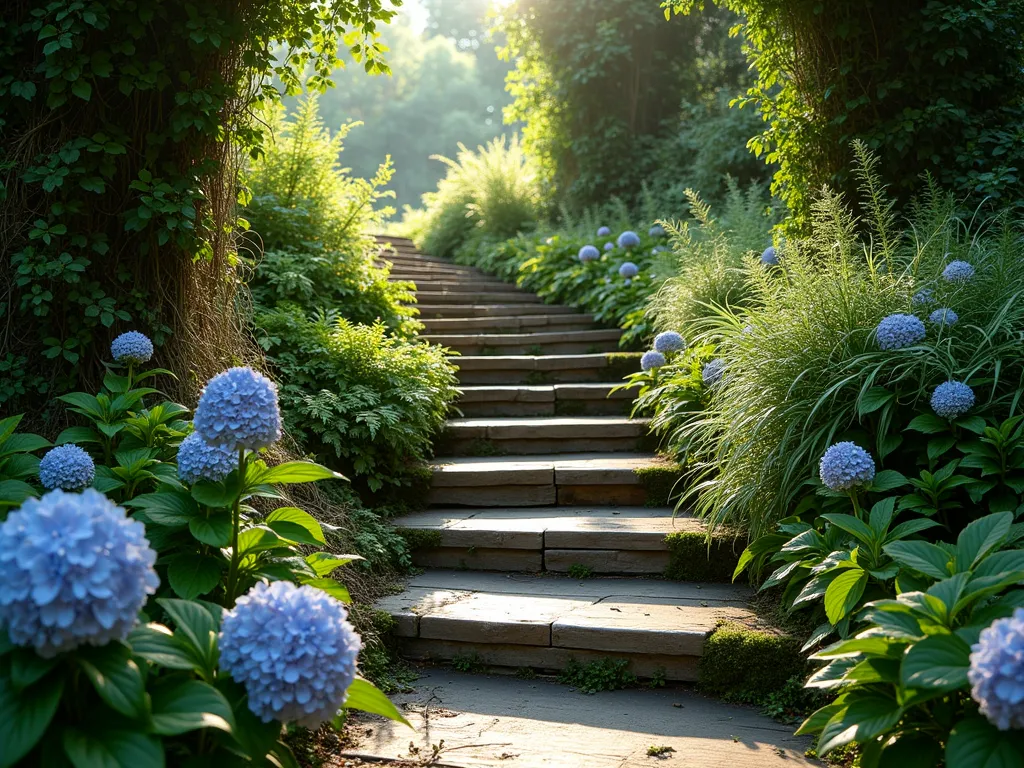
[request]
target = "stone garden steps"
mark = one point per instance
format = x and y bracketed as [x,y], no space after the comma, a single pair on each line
[539,342]
[497,435]
[467,296]
[482,309]
[508,324]
[543,400]
[543,621]
[539,369]
[603,540]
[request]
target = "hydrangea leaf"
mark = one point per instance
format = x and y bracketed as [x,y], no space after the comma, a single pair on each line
[77,435]
[113,748]
[156,643]
[843,593]
[975,743]
[979,537]
[333,588]
[214,529]
[180,706]
[192,575]
[115,677]
[937,662]
[25,716]
[297,517]
[364,695]
[299,472]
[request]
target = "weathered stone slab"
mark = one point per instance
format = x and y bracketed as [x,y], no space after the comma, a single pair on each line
[467,472]
[613,495]
[494,496]
[485,618]
[407,607]
[479,558]
[606,560]
[522,393]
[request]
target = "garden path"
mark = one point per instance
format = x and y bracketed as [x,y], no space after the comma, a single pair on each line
[540,549]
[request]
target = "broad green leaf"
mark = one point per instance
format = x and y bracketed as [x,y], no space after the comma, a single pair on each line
[192,575]
[217,495]
[22,443]
[760,546]
[115,677]
[102,748]
[14,492]
[843,593]
[873,399]
[156,643]
[324,562]
[27,667]
[331,587]
[258,538]
[77,435]
[864,718]
[920,556]
[180,706]
[296,516]
[8,425]
[937,662]
[979,536]
[976,743]
[887,480]
[364,695]
[909,528]
[818,719]
[298,472]
[881,515]
[25,716]
[911,750]
[196,625]
[929,424]
[84,402]
[213,529]
[854,526]
[171,508]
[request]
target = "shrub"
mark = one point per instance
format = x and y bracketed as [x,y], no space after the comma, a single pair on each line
[357,398]
[744,663]
[490,192]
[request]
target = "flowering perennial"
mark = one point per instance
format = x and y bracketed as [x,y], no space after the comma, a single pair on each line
[669,341]
[604,232]
[609,245]
[996,673]
[652,359]
[589,253]
[923,297]
[768,257]
[958,272]
[198,460]
[66,467]
[628,239]
[131,347]
[952,399]
[656,231]
[238,409]
[712,372]
[845,466]
[74,570]
[899,331]
[293,650]
[629,270]
[944,316]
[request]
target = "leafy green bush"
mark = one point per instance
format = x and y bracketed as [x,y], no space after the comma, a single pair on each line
[354,396]
[491,192]
[804,368]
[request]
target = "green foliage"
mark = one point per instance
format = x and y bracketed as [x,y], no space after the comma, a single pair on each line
[598,85]
[599,675]
[17,463]
[659,483]
[748,663]
[117,121]
[930,87]
[420,538]
[491,192]
[804,370]
[469,663]
[693,557]
[901,680]
[354,396]
[580,571]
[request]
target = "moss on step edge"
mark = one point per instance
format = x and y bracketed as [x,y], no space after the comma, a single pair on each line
[747,663]
[412,493]
[691,558]
[621,364]
[420,538]
[658,482]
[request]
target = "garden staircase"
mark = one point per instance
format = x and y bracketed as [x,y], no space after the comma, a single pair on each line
[542,481]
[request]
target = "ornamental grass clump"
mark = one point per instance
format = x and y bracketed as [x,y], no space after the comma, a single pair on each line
[74,570]
[66,467]
[835,355]
[293,650]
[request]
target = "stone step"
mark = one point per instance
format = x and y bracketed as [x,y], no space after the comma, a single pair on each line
[541,621]
[561,342]
[544,400]
[534,481]
[603,539]
[464,285]
[444,311]
[466,297]
[496,435]
[544,369]
[513,324]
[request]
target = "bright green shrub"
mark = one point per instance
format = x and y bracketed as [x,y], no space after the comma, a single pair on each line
[745,663]
[491,192]
[356,397]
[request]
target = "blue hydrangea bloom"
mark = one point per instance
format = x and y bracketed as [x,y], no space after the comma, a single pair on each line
[769,258]
[944,316]
[293,650]
[629,269]
[628,239]
[238,409]
[652,359]
[996,673]
[660,249]
[952,399]
[712,372]
[74,570]
[198,460]
[669,341]
[131,347]
[899,331]
[747,329]
[656,231]
[66,467]
[845,466]
[589,253]
[923,297]
[604,232]
[958,272]
[609,246]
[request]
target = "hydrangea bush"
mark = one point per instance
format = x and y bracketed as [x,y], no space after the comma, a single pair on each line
[651,360]
[66,467]
[899,331]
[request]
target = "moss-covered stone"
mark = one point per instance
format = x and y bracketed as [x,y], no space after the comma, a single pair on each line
[621,364]
[693,558]
[420,538]
[747,663]
[658,483]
